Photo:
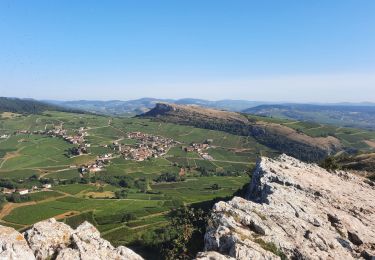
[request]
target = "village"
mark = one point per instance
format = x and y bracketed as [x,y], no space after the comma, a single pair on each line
[58,131]
[200,148]
[149,146]
[97,166]
[24,191]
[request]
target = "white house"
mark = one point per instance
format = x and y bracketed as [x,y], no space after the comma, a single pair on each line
[23,191]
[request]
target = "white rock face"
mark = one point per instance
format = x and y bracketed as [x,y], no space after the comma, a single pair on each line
[48,237]
[51,239]
[13,245]
[298,211]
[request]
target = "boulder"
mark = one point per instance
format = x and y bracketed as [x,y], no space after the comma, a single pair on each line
[46,238]
[13,245]
[51,239]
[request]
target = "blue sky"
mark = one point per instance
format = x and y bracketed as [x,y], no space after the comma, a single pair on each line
[317,51]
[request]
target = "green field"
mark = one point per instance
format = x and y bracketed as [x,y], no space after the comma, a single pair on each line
[24,156]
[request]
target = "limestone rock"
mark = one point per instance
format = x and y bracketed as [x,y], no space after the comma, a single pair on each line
[68,253]
[212,255]
[48,237]
[51,239]
[296,210]
[90,245]
[13,245]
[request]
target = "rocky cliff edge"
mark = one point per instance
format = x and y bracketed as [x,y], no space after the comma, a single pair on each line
[295,210]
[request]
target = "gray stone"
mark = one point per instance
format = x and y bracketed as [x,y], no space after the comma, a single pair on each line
[51,239]
[13,245]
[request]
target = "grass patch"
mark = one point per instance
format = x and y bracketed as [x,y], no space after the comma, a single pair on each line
[271,247]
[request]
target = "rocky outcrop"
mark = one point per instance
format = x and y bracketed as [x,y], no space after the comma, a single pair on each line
[13,245]
[295,210]
[276,136]
[51,239]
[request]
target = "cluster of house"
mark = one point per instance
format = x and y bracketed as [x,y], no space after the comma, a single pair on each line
[81,149]
[27,191]
[4,136]
[148,146]
[25,132]
[96,166]
[79,138]
[200,148]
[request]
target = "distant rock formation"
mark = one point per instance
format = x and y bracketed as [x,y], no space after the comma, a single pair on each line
[55,240]
[276,136]
[295,210]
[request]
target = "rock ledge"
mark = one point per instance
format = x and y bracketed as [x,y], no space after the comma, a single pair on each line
[295,210]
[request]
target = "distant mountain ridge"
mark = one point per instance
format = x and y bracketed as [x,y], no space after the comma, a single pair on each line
[139,106]
[29,106]
[354,115]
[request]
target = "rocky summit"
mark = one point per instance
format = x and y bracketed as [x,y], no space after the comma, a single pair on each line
[295,210]
[51,239]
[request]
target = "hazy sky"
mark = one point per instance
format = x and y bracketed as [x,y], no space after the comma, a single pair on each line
[318,51]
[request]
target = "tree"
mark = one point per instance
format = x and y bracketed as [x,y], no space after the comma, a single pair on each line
[169,177]
[17,198]
[330,163]
[189,226]
[128,217]
[143,185]
[121,194]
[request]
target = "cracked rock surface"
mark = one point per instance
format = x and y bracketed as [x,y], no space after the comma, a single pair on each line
[295,210]
[51,239]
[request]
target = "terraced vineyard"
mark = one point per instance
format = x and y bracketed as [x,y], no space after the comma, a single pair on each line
[26,157]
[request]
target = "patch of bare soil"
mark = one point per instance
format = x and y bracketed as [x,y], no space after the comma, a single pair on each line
[67,214]
[9,207]
[8,115]
[326,143]
[10,155]
[104,194]
[370,143]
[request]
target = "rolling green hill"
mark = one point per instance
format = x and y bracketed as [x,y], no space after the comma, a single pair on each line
[29,106]
[343,115]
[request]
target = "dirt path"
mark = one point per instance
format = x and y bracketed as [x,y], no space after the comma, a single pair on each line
[138,227]
[186,134]
[10,155]
[370,143]
[220,161]
[358,133]
[67,214]
[291,123]
[9,207]
[314,128]
[147,225]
